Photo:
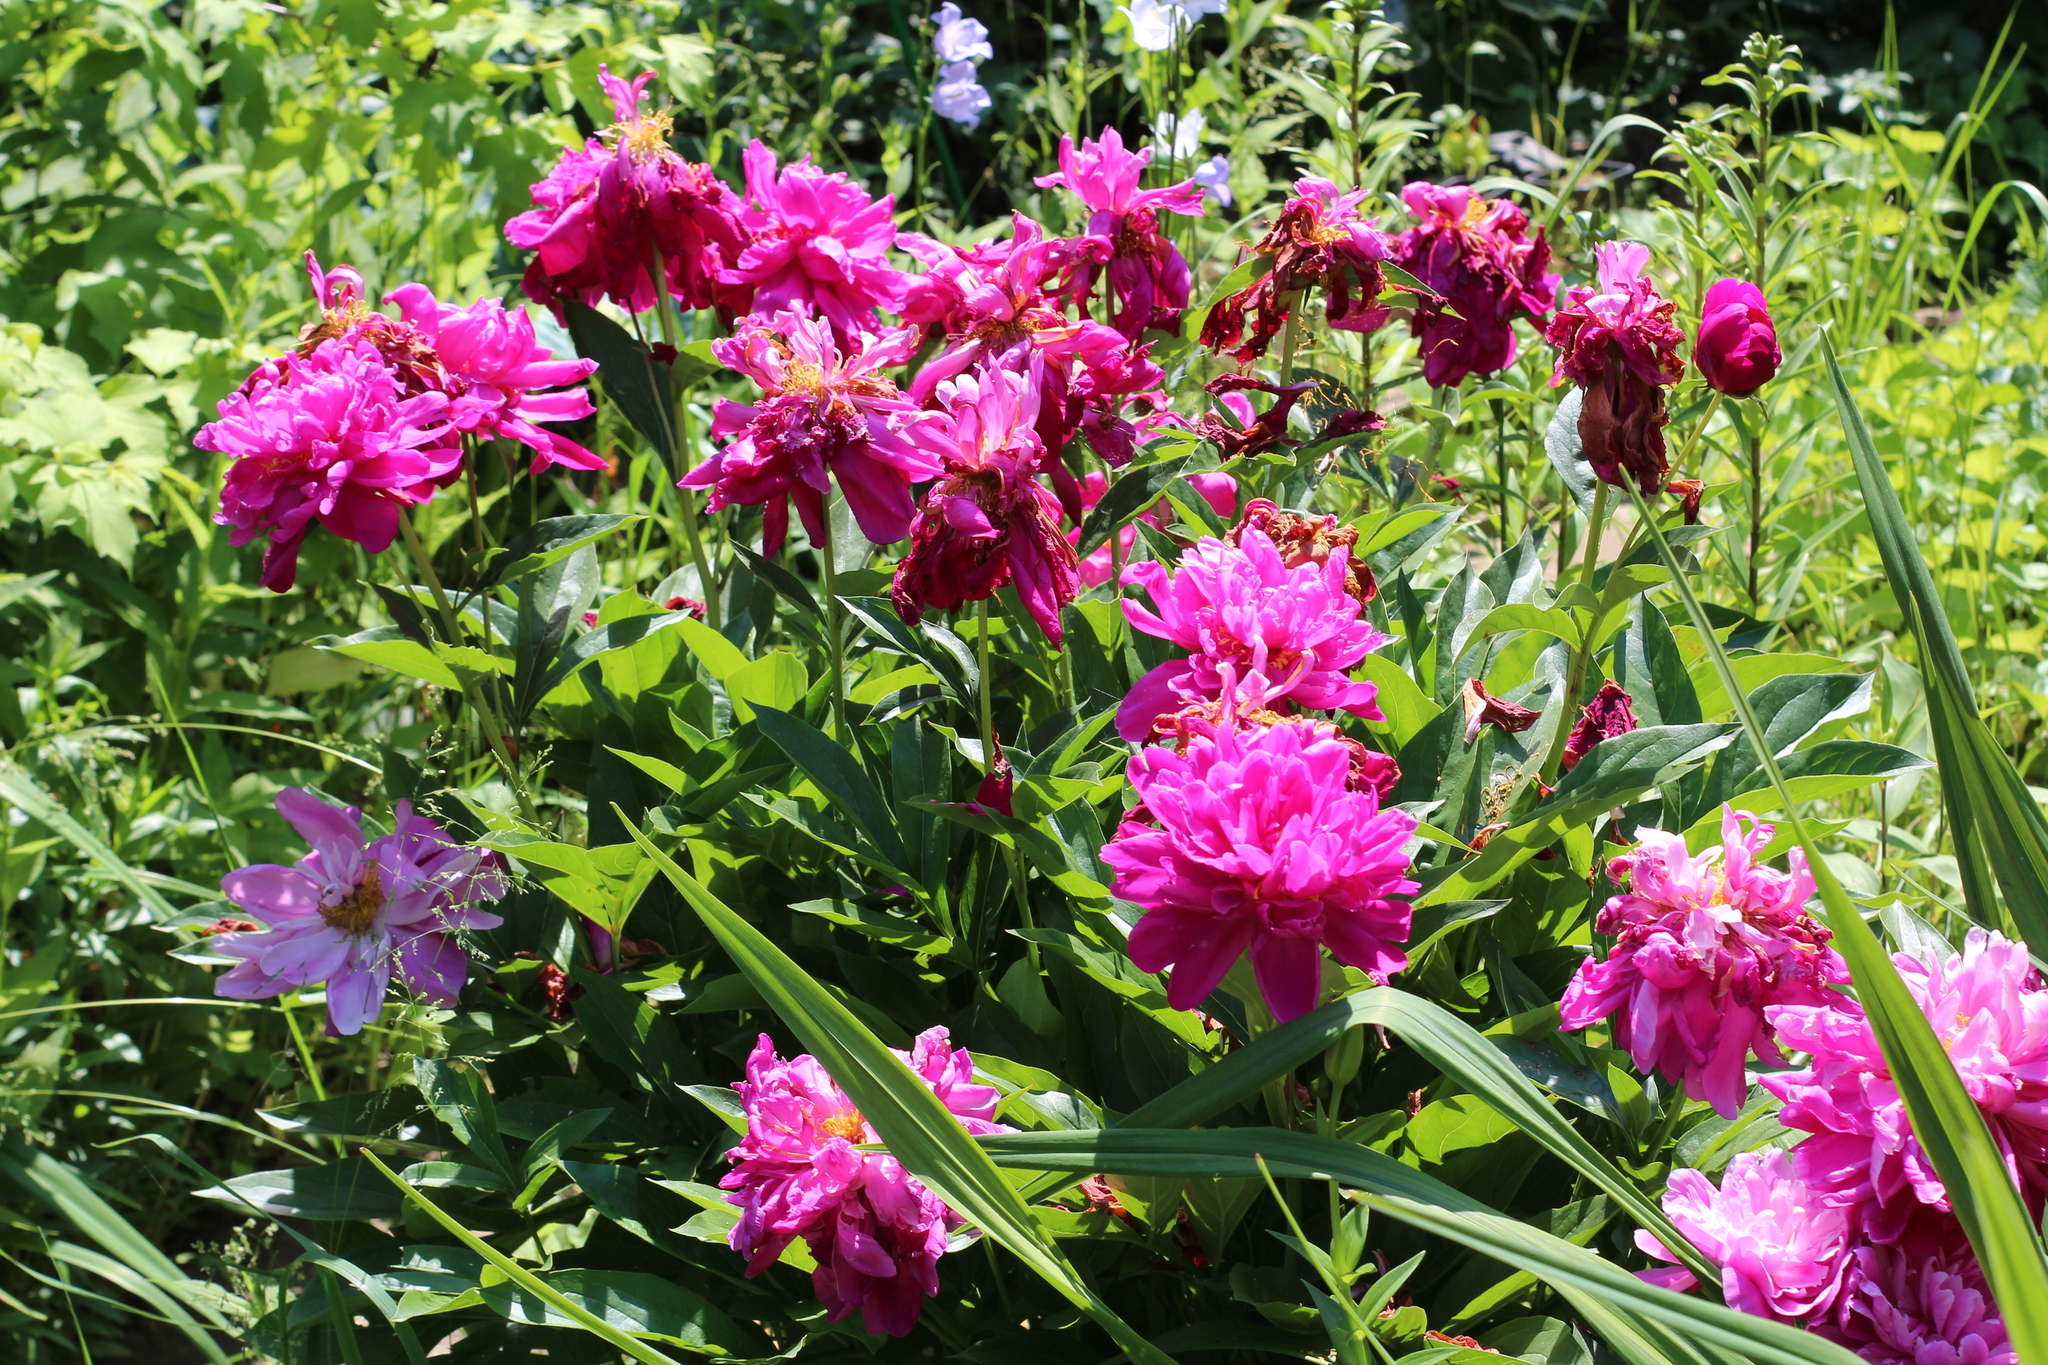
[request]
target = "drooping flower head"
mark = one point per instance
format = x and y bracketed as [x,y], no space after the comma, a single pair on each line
[1285,635]
[1217,489]
[1618,343]
[988,521]
[1919,1300]
[1990,1011]
[607,210]
[1782,1251]
[1737,350]
[1476,254]
[874,1230]
[1255,433]
[1611,713]
[1147,277]
[494,367]
[1706,947]
[825,410]
[355,909]
[1253,839]
[1483,709]
[1305,538]
[815,238]
[1318,240]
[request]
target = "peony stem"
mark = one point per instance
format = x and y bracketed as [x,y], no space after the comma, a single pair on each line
[1575,679]
[1684,460]
[988,766]
[679,435]
[835,637]
[1755,441]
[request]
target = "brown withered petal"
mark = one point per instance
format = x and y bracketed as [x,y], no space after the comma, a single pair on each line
[1610,713]
[1689,492]
[1482,710]
[1351,421]
[1307,539]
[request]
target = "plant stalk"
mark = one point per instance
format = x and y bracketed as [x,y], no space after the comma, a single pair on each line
[835,635]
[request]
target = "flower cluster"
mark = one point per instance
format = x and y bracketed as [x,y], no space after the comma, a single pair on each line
[874,1230]
[961,43]
[1318,239]
[1476,254]
[1618,343]
[355,910]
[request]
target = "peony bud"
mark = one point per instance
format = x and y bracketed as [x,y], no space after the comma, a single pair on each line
[1737,351]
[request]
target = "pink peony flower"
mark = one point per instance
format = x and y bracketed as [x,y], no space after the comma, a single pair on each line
[817,240]
[1619,344]
[826,410]
[1253,839]
[335,435]
[606,210]
[1218,490]
[1474,253]
[1318,240]
[1148,279]
[1611,713]
[1304,538]
[353,910]
[989,521]
[874,1230]
[1921,1300]
[1737,350]
[1286,634]
[1782,1252]
[1989,1008]
[494,364]
[1708,945]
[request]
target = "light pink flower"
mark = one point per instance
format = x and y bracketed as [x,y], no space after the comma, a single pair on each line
[354,909]
[494,367]
[1217,489]
[1921,1300]
[1318,239]
[817,240]
[1707,945]
[874,1230]
[826,410]
[1251,839]
[1782,1251]
[1619,344]
[1474,252]
[1148,279]
[331,435]
[988,521]
[1989,1009]
[605,210]
[1288,635]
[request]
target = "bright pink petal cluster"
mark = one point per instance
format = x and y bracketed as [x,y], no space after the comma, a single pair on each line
[1253,839]
[1921,1300]
[1219,490]
[1782,1251]
[1989,1008]
[816,240]
[1476,254]
[1705,946]
[826,410]
[1147,276]
[1618,343]
[609,210]
[355,909]
[874,1230]
[1282,634]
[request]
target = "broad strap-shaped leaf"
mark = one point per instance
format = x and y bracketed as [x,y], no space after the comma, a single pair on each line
[915,1125]
[839,774]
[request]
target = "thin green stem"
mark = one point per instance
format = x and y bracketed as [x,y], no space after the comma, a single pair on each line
[1684,460]
[1755,441]
[991,745]
[1575,678]
[835,635]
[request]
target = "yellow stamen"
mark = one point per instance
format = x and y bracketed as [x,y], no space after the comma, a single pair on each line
[801,376]
[357,915]
[848,1125]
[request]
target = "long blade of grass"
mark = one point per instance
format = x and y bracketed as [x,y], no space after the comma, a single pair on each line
[1945,1119]
[22,790]
[916,1126]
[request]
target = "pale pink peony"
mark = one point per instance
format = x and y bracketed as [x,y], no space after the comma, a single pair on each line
[1782,1252]
[988,521]
[494,367]
[1921,1300]
[874,1230]
[1619,344]
[604,212]
[1990,1010]
[1318,240]
[1706,946]
[1252,839]
[354,909]
[826,410]
[1147,277]
[1287,634]
[817,240]
[1475,253]
[1219,490]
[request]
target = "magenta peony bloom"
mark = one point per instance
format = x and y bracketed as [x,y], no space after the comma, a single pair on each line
[331,435]
[1619,344]
[818,240]
[1611,713]
[493,366]
[1218,490]
[1473,252]
[1148,279]
[1253,839]
[989,521]
[1782,1252]
[826,410]
[1318,240]
[1989,1008]
[1737,350]
[874,1230]
[1287,634]
[1921,1300]
[1707,947]
[607,209]
[354,909]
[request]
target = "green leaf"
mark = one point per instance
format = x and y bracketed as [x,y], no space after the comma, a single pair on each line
[630,1301]
[839,775]
[339,1191]
[1129,494]
[22,791]
[459,1098]
[547,542]
[630,375]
